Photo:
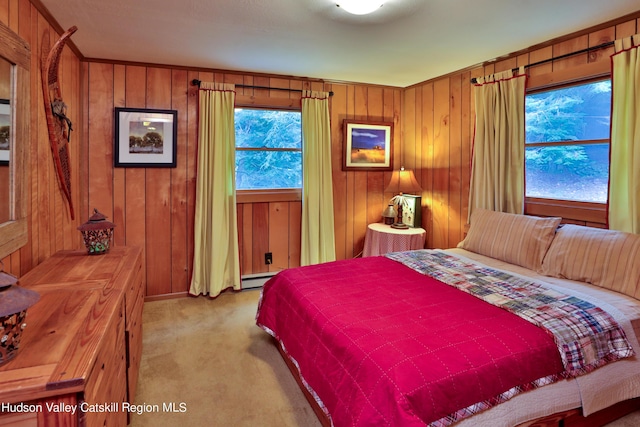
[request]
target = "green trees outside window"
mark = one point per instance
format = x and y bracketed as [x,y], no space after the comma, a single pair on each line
[567,142]
[268,149]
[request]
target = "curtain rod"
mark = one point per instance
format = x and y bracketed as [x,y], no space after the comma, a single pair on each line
[566,55]
[196,82]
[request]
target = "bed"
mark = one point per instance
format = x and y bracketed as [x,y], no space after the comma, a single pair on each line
[525,321]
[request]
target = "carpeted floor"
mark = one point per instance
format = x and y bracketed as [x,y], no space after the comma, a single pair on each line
[209,359]
[210,355]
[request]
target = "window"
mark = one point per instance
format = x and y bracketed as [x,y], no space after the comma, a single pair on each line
[268,149]
[567,142]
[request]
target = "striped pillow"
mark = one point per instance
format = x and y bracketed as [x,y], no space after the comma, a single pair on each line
[517,239]
[606,258]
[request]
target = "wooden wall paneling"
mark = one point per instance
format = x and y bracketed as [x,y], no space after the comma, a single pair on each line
[375,180]
[239,221]
[29,32]
[626,29]
[192,158]
[467,127]
[337,107]
[455,160]
[440,200]
[350,180]
[408,150]
[426,164]
[507,64]
[247,238]
[119,180]
[278,231]
[260,240]
[4,12]
[136,230]
[600,37]
[46,180]
[14,15]
[572,45]
[158,196]
[100,116]
[392,104]
[295,224]
[178,190]
[360,180]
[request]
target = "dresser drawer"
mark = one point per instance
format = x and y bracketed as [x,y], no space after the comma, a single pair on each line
[106,387]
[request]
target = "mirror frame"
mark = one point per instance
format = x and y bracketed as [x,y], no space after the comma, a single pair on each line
[14,233]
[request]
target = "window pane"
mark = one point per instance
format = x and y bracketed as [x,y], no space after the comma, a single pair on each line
[573,113]
[568,172]
[267,128]
[268,169]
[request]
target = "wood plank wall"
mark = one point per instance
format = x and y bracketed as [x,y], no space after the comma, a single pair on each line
[50,228]
[154,208]
[438,124]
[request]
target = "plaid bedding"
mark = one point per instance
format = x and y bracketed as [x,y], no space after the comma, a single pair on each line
[587,337]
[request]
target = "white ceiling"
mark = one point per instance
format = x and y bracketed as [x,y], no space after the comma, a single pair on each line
[403,43]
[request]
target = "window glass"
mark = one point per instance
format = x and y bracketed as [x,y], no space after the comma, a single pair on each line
[268,149]
[567,142]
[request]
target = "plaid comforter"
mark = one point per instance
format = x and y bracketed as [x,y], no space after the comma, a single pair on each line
[587,337]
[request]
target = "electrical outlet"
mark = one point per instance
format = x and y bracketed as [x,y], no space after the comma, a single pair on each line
[268,258]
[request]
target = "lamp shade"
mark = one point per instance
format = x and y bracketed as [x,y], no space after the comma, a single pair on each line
[403,181]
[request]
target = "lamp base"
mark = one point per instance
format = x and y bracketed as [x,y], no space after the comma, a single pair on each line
[399,225]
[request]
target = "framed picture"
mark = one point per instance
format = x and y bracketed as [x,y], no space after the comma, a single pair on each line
[5,131]
[367,146]
[145,138]
[412,211]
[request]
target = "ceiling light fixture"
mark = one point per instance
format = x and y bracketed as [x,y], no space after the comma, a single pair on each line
[360,7]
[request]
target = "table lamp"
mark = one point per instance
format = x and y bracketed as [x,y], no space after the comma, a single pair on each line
[402,182]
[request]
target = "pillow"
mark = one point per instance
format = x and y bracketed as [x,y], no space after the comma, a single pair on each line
[517,239]
[606,258]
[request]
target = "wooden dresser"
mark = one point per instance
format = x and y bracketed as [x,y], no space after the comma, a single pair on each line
[79,354]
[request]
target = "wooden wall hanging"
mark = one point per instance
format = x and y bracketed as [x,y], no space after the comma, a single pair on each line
[58,125]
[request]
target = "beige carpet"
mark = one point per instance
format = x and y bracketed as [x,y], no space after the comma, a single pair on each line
[210,356]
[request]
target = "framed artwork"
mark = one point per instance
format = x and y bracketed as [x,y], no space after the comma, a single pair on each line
[145,138]
[412,211]
[367,146]
[5,131]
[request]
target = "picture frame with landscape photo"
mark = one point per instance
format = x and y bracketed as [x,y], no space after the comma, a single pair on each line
[367,146]
[145,138]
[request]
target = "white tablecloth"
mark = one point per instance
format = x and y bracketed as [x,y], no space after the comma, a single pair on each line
[381,239]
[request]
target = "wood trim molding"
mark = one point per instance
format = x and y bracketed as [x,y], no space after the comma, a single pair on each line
[570,75]
[266,102]
[263,196]
[587,212]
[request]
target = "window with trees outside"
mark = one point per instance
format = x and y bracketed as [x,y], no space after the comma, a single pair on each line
[268,149]
[567,142]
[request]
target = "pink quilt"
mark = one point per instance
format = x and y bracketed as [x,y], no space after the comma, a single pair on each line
[380,344]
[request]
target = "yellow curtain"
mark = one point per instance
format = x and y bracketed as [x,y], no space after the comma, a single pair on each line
[216,264]
[497,171]
[318,238]
[624,170]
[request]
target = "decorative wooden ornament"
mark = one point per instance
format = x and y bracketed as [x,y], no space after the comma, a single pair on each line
[58,124]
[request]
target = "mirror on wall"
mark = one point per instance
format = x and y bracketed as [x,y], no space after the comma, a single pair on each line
[15,57]
[5,131]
